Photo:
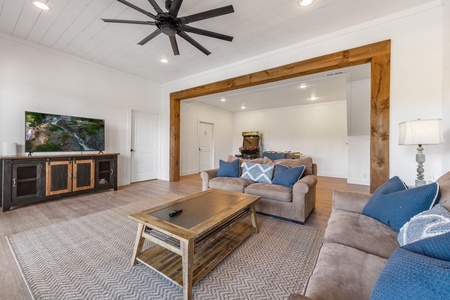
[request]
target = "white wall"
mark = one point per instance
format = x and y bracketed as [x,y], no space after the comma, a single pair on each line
[316,130]
[191,114]
[358,123]
[446,87]
[416,77]
[37,79]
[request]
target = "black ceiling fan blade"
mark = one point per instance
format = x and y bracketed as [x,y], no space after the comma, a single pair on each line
[193,42]
[207,14]
[149,37]
[138,9]
[156,6]
[173,42]
[175,7]
[129,22]
[207,33]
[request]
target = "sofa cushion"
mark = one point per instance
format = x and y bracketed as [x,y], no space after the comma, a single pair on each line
[394,204]
[409,275]
[361,232]
[286,176]
[429,223]
[343,273]
[228,169]
[257,172]
[229,184]
[270,191]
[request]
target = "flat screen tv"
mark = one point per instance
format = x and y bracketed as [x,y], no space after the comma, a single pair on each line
[48,132]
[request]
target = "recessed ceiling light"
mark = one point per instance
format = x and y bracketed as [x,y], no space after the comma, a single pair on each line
[305,2]
[303,86]
[243,107]
[41,5]
[313,98]
[223,100]
[164,60]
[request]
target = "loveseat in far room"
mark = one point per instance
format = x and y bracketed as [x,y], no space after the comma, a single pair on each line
[289,202]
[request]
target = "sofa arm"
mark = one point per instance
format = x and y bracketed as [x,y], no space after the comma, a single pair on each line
[305,184]
[304,197]
[298,297]
[207,176]
[350,201]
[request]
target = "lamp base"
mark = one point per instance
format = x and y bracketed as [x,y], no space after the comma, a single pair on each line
[420,182]
[420,159]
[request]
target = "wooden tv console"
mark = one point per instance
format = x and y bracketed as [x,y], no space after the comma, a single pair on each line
[30,179]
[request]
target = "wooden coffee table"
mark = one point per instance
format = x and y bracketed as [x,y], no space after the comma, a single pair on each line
[190,244]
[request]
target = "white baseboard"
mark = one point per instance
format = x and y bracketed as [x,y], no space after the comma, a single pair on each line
[188,172]
[331,174]
[361,181]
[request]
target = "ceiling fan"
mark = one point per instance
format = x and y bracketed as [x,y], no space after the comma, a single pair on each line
[171,25]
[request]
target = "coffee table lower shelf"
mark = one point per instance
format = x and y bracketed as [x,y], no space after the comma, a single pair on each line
[169,264]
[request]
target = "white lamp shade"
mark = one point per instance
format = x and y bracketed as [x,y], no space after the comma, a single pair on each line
[9,149]
[421,132]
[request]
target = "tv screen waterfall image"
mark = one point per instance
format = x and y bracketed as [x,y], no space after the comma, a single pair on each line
[47,132]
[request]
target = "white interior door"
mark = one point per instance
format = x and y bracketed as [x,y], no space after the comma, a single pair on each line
[205,146]
[144,145]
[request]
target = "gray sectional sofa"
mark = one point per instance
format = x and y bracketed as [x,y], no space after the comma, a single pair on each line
[290,203]
[356,249]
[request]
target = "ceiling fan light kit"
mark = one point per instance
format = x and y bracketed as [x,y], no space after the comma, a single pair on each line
[41,5]
[303,3]
[171,25]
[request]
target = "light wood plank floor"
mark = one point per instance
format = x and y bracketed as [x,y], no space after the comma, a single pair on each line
[42,214]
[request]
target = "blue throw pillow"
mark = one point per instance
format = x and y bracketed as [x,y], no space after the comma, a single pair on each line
[432,222]
[257,172]
[228,169]
[286,176]
[394,204]
[409,275]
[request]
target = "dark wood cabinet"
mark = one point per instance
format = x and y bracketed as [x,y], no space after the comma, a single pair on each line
[106,172]
[26,180]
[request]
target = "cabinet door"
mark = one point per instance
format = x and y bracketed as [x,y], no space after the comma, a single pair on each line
[26,181]
[104,173]
[58,177]
[83,174]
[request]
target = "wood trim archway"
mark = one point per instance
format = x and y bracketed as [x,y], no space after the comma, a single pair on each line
[377,54]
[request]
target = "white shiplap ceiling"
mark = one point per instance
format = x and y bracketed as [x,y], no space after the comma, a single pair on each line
[258,26]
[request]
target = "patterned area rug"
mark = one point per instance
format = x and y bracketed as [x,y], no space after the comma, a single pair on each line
[89,258]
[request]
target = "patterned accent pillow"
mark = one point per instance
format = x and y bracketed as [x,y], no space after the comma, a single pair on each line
[429,223]
[394,204]
[257,172]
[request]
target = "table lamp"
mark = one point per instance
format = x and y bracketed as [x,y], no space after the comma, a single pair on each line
[421,132]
